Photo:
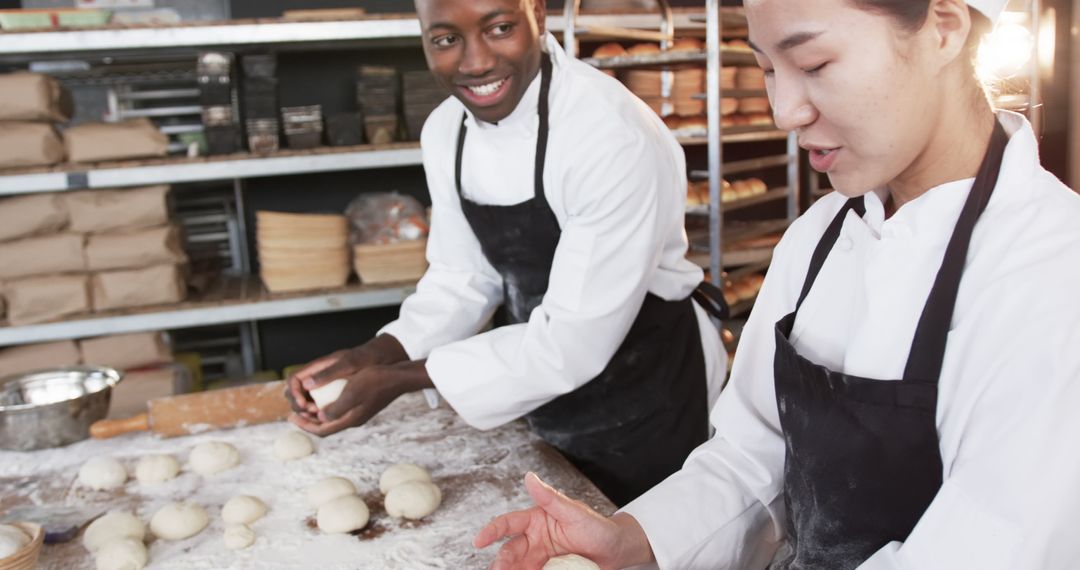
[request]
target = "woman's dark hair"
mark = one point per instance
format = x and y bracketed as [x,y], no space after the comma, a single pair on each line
[911,15]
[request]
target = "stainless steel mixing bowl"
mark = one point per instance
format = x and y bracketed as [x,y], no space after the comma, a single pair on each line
[55,407]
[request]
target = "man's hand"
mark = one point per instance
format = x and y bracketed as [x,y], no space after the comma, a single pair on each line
[558,525]
[367,391]
[381,350]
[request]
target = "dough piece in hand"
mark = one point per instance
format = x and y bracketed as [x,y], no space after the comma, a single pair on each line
[293,445]
[112,526]
[156,469]
[102,473]
[343,514]
[402,473]
[329,489]
[239,537]
[12,540]
[177,521]
[570,562]
[122,554]
[213,457]
[328,393]
[413,500]
[243,509]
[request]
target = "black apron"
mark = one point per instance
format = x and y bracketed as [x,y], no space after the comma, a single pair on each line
[635,423]
[862,460]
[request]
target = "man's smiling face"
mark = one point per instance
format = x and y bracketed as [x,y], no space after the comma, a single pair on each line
[485,52]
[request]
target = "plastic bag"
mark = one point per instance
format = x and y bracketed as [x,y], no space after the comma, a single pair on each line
[386,217]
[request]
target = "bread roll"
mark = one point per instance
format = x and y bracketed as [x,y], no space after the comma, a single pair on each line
[644,49]
[609,50]
[750,78]
[687,44]
[751,105]
[759,119]
[726,192]
[729,105]
[738,45]
[757,186]
[742,189]
[698,123]
[673,122]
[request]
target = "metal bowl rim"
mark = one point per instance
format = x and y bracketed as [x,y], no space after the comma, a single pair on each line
[112,378]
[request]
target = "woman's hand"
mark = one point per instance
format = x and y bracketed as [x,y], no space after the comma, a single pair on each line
[558,525]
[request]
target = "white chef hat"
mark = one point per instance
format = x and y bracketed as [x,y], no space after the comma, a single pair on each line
[990,8]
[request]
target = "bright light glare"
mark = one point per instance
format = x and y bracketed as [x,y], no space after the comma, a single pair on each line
[1005,51]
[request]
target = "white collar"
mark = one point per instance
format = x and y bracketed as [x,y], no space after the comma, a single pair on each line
[929,215]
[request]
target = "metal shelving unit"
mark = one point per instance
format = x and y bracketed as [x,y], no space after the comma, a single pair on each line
[238,299]
[234,300]
[181,170]
[20,46]
[714,57]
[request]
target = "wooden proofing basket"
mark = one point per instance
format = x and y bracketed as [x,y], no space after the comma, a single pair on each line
[26,558]
[390,263]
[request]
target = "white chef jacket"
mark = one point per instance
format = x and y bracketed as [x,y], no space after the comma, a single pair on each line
[1007,414]
[615,179]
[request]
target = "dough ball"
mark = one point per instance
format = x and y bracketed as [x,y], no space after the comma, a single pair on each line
[328,393]
[413,500]
[293,445]
[212,457]
[102,473]
[243,509]
[12,540]
[402,473]
[239,537]
[156,469]
[570,562]
[343,514]
[122,554]
[177,521]
[329,489]
[112,526]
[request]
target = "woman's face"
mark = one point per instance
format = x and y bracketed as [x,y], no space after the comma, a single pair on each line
[855,87]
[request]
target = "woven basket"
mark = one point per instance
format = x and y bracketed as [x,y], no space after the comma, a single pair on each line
[27,557]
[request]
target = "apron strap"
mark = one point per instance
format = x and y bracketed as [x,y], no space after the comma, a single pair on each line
[541,136]
[542,133]
[711,298]
[928,347]
[825,245]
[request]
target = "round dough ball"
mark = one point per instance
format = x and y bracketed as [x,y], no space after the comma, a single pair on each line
[328,393]
[239,537]
[212,457]
[329,489]
[112,526]
[177,521]
[570,562]
[156,469]
[122,554]
[402,473]
[413,500]
[293,445]
[243,509]
[12,540]
[343,514]
[102,473]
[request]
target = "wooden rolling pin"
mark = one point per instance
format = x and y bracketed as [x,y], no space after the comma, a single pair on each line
[188,414]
